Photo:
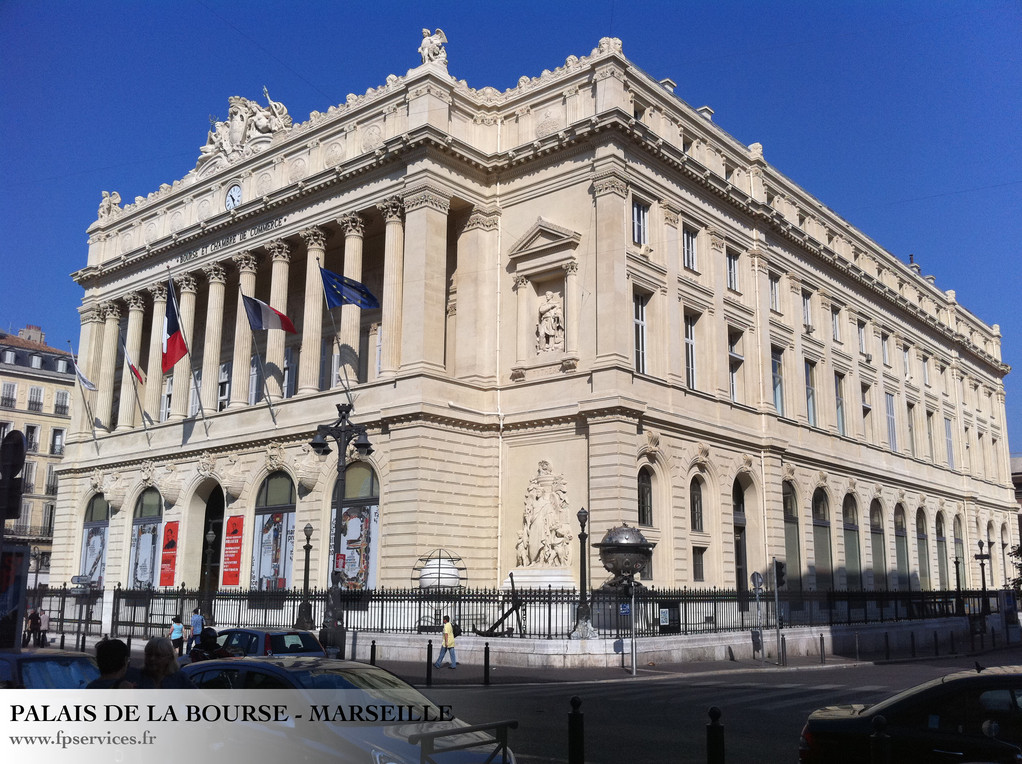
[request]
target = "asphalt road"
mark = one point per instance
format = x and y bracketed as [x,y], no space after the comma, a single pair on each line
[663,719]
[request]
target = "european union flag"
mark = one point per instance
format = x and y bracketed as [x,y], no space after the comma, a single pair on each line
[340,290]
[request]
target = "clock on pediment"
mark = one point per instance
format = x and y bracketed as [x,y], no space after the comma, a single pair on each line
[233,198]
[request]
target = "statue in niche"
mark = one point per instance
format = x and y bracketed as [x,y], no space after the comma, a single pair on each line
[432,46]
[550,330]
[545,538]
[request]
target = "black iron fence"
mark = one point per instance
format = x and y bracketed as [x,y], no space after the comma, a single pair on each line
[530,613]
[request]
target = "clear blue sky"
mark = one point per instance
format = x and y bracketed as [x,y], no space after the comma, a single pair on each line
[903,117]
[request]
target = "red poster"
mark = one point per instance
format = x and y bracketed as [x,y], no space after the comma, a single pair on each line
[168,556]
[232,550]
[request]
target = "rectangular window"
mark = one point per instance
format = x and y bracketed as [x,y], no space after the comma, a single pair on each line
[223,387]
[689,255]
[839,398]
[690,350]
[929,434]
[981,460]
[867,414]
[8,395]
[57,442]
[949,443]
[861,330]
[811,392]
[775,293]
[966,450]
[892,433]
[32,438]
[835,324]
[807,310]
[640,222]
[698,572]
[885,349]
[639,319]
[5,427]
[35,399]
[996,460]
[926,370]
[28,478]
[910,412]
[735,361]
[777,372]
[732,262]
[194,385]
[168,390]
[61,403]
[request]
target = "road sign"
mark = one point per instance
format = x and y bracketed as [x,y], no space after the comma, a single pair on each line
[78,590]
[81,580]
[625,608]
[757,580]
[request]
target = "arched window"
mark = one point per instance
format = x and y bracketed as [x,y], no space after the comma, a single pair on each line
[273,534]
[792,553]
[959,553]
[821,541]
[145,540]
[923,547]
[876,545]
[853,557]
[695,504]
[901,548]
[942,577]
[360,527]
[645,484]
[95,532]
[741,559]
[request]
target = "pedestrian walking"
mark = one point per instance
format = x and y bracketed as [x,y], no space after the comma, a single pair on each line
[33,627]
[198,623]
[447,644]
[44,626]
[177,634]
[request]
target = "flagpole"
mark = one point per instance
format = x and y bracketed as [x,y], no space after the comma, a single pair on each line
[188,354]
[134,387]
[81,388]
[259,360]
[337,339]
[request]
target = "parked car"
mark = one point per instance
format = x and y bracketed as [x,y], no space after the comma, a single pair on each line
[46,670]
[962,717]
[337,686]
[270,642]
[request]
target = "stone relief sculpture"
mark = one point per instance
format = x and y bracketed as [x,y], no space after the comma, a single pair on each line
[110,206]
[432,46]
[246,122]
[550,330]
[545,538]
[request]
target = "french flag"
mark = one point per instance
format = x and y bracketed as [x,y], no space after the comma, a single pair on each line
[262,316]
[173,339]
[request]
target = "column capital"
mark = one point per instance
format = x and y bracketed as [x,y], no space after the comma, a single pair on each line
[520,282]
[279,250]
[186,282]
[610,183]
[134,301]
[571,268]
[352,223]
[483,219]
[91,315]
[215,273]
[246,261]
[314,236]
[158,291]
[428,195]
[111,311]
[392,208]
[672,212]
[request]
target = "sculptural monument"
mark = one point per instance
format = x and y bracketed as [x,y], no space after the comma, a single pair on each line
[544,549]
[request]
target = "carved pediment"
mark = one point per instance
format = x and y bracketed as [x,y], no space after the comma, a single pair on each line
[544,247]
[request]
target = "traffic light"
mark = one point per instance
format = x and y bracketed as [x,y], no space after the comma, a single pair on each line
[778,574]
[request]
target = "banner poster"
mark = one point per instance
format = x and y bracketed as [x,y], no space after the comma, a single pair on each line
[144,541]
[232,550]
[13,584]
[359,547]
[168,560]
[94,553]
[273,544]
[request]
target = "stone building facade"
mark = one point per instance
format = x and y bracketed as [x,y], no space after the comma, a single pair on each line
[590,296]
[36,390]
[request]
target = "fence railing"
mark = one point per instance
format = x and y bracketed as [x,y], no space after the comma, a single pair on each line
[541,613]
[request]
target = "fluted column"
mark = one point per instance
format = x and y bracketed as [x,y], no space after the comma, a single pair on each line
[312,318]
[216,277]
[247,263]
[522,289]
[280,255]
[128,405]
[572,292]
[154,371]
[186,286]
[351,315]
[475,325]
[424,294]
[88,350]
[108,366]
[393,269]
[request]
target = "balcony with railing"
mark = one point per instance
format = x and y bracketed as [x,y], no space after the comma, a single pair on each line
[7,402]
[28,486]
[35,405]
[61,409]
[32,446]
[51,487]
[29,532]
[57,449]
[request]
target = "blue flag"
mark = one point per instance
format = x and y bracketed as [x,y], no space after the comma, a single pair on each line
[340,290]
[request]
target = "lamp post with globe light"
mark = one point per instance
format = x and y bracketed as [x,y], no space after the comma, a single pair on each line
[344,434]
[304,620]
[583,614]
[208,605]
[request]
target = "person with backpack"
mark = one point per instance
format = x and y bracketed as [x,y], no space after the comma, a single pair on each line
[447,645]
[198,623]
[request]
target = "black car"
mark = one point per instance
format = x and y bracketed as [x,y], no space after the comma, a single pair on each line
[350,712]
[243,641]
[46,670]
[963,717]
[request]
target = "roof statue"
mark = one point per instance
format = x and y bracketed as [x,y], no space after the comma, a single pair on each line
[432,46]
[248,127]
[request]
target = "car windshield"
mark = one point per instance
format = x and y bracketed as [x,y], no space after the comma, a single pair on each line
[911,691]
[57,673]
[297,642]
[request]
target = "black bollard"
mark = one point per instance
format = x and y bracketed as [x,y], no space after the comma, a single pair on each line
[62,638]
[486,663]
[823,651]
[879,742]
[784,651]
[429,663]
[714,738]
[372,653]
[576,733]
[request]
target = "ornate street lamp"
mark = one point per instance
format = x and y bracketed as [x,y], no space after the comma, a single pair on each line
[583,625]
[305,609]
[344,433]
[983,576]
[959,605]
[37,556]
[208,608]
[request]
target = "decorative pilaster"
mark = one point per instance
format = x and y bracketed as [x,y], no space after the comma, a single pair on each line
[154,370]
[247,264]
[280,259]
[424,298]
[571,310]
[393,210]
[216,277]
[613,295]
[475,333]
[128,405]
[524,333]
[312,317]
[89,341]
[179,408]
[353,225]
[108,367]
